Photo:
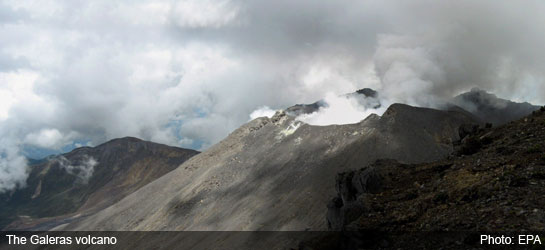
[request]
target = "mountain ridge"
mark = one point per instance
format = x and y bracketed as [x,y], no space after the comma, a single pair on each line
[87,179]
[228,188]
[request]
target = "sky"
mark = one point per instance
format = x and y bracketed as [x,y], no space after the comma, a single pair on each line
[187,73]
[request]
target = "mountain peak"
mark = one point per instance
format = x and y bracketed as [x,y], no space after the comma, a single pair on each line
[124,140]
[127,138]
[490,108]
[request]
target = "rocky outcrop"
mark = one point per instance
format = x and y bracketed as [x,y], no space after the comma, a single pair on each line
[351,202]
[499,187]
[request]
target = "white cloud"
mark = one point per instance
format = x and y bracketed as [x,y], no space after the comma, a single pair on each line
[48,138]
[16,87]
[204,13]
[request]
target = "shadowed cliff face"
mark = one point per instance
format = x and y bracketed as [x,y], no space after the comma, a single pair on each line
[276,174]
[86,180]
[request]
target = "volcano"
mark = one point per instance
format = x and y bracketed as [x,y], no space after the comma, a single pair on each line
[275,173]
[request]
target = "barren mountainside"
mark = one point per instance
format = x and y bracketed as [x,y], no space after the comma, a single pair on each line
[85,180]
[277,173]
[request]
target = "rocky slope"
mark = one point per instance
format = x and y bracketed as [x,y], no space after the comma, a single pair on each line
[275,174]
[76,184]
[492,182]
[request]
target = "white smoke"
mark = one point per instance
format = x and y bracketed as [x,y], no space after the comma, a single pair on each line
[83,171]
[409,71]
[344,109]
[263,111]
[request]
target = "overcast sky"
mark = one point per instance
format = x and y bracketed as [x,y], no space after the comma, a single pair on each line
[186,73]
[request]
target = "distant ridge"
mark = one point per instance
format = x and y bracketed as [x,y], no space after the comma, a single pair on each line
[57,188]
[489,108]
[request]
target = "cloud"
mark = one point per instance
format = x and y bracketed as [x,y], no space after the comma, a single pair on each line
[83,171]
[48,138]
[191,13]
[13,167]
[188,73]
